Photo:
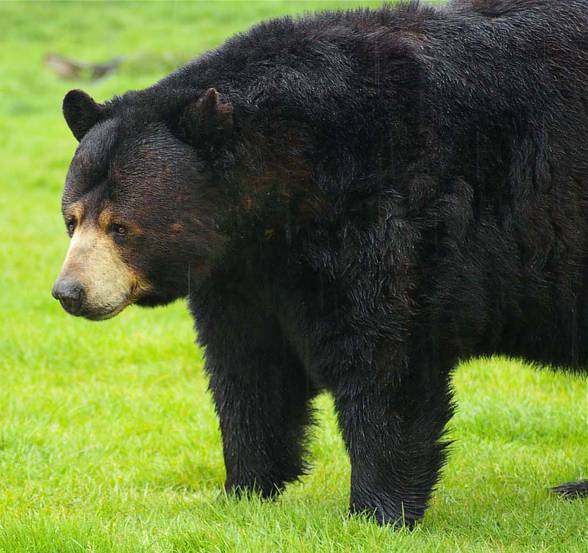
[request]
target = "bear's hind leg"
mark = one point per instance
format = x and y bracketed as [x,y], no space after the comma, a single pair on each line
[393,436]
[572,490]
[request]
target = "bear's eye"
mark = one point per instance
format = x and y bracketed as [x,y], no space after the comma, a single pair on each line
[70,224]
[119,231]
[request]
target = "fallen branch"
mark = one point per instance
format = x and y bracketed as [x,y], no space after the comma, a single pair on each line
[68,68]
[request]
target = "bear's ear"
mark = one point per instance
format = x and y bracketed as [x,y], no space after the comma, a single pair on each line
[81,112]
[208,121]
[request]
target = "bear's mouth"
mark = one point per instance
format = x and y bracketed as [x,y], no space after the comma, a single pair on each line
[101,315]
[105,313]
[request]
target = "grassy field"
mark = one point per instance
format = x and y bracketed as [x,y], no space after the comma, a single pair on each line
[108,439]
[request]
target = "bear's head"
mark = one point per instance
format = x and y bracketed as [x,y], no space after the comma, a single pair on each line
[140,202]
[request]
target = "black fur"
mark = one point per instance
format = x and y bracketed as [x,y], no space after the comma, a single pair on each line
[384,193]
[572,490]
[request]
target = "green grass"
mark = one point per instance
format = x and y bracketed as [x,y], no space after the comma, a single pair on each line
[108,439]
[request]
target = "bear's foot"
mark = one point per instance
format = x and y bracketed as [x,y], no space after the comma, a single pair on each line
[265,489]
[572,490]
[388,508]
[384,516]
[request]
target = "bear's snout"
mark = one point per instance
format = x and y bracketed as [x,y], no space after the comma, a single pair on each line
[95,282]
[70,294]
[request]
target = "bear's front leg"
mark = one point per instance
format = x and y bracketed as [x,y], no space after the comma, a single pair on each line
[392,427]
[262,400]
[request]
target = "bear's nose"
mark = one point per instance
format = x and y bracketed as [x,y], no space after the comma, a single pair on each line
[70,293]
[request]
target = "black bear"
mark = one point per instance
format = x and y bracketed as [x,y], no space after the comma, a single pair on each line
[351,202]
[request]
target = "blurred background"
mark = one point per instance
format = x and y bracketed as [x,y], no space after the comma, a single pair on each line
[108,438]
